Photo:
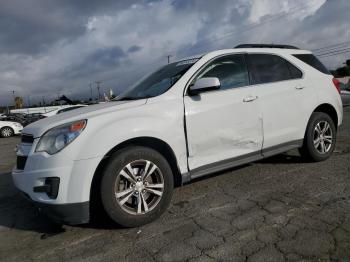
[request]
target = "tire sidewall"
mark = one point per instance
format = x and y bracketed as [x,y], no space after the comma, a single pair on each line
[315,119]
[118,161]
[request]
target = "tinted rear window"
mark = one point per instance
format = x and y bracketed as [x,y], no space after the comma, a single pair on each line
[266,68]
[311,60]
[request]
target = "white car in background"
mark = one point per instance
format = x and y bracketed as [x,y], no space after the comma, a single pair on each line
[189,119]
[9,128]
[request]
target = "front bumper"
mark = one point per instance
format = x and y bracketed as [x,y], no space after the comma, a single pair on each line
[58,185]
[17,129]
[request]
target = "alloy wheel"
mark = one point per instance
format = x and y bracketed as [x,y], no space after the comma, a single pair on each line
[6,132]
[323,137]
[139,187]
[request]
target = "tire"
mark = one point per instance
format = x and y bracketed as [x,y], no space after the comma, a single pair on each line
[141,192]
[312,148]
[6,132]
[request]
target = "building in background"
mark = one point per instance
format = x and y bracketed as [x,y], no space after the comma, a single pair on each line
[19,102]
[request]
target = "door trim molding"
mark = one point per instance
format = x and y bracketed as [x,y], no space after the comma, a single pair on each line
[241,160]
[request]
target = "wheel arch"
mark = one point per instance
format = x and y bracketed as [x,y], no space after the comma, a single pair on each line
[150,142]
[329,110]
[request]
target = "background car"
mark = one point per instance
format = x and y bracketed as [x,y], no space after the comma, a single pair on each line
[15,117]
[23,119]
[345,93]
[31,118]
[9,128]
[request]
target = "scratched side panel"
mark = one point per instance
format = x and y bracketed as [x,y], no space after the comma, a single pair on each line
[221,126]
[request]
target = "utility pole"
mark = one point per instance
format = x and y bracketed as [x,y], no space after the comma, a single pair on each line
[90,91]
[14,100]
[98,89]
[168,56]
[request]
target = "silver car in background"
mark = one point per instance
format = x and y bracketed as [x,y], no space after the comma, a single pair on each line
[345,90]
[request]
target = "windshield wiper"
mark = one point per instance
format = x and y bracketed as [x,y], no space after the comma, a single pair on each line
[128,98]
[134,98]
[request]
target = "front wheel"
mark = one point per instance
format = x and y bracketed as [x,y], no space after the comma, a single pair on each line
[320,138]
[136,186]
[6,132]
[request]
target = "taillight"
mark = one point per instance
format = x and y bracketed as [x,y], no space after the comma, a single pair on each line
[336,83]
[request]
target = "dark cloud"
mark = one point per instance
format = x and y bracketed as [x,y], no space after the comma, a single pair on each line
[31,26]
[98,62]
[49,47]
[134,48]
[106,56]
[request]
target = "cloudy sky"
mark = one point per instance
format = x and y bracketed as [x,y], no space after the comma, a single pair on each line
[50,47]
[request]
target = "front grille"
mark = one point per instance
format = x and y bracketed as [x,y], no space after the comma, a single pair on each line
[21,162]
[27,139]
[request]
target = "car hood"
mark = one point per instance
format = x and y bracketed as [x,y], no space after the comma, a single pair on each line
[38,128]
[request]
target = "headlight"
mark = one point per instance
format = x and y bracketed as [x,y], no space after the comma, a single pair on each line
[59,137]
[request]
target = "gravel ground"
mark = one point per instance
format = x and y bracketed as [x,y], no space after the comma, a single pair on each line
[278,209]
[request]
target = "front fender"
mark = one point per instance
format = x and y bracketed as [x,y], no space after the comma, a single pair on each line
[162,120]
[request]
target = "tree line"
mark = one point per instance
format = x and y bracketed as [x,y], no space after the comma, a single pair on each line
[342,71]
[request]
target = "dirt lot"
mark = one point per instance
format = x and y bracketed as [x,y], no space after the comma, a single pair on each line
[273,210]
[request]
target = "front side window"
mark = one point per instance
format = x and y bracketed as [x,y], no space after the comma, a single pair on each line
[230,70]
[265,68]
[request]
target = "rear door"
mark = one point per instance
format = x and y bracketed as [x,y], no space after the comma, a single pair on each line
[281,92]
[223,124]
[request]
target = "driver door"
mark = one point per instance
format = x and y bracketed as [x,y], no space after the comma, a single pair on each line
[223,125]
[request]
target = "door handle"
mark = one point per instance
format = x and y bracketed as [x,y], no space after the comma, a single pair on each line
[250,98]
[300,87]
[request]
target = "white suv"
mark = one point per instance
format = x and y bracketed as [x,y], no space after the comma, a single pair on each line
[188,119]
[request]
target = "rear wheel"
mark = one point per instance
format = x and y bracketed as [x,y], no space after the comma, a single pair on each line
[136,186]
[6,131]
[320,138]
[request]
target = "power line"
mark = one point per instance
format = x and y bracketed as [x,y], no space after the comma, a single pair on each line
[340,53]
[335,51]
[334,46]
[251,26]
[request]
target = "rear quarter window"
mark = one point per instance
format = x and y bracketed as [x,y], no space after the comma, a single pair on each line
[268,68]
[311,60]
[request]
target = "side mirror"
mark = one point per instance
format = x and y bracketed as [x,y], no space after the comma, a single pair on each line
[204,84]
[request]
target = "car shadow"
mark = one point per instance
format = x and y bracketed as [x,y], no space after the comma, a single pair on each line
[16,212]
[285,158]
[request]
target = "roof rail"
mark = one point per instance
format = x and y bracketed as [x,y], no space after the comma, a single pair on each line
[266,46]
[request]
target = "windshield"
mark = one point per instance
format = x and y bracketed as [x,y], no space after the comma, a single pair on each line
[158,82]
